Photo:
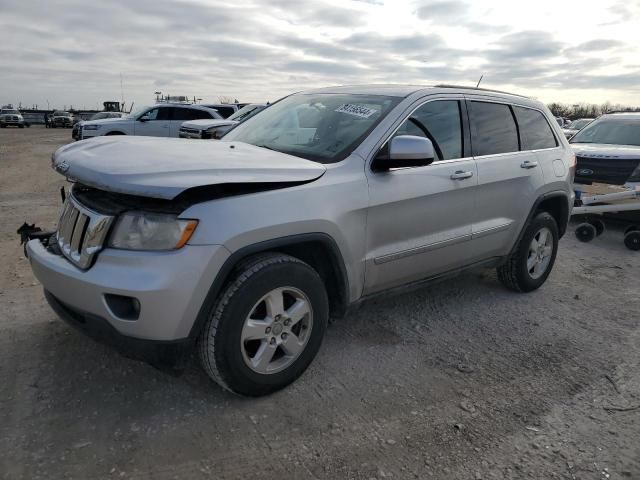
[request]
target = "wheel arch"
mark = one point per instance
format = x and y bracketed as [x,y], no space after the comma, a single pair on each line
[319,250]
[115,132]
[556,204]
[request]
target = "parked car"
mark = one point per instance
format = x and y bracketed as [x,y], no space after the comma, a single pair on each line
[575,126]
[75,132]
[61,119]
[207,129]
[162,120]
[10,117]
[244,247]
[608,150]
[224,109]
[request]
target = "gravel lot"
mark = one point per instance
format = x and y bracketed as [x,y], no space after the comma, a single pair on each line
[459,380]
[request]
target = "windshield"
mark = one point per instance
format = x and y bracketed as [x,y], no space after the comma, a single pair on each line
[245,113]
[320,127]
[11,112]
[616,131]
[580,124]
[61,114]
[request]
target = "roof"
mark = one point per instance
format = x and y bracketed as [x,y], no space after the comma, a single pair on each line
[395,90]
[629,115]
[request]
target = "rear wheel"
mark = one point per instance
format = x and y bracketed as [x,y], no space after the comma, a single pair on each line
[267,326]
[632,240]
[528,267]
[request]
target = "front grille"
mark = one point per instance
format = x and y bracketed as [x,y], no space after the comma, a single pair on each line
[81,232]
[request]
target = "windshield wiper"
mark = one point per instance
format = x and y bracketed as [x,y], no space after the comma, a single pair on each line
[268,148]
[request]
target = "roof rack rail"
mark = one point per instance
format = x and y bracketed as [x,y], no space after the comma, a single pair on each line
[444,85]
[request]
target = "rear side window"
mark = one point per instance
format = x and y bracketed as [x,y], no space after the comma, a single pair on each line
[535,131]
[183,114]
[494,127]
[440,122]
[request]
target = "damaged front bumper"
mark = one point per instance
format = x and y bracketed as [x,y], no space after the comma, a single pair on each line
[142,303]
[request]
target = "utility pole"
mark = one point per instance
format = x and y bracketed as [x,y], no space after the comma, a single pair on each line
[121,91]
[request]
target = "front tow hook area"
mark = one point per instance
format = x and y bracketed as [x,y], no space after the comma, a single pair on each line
[29,232]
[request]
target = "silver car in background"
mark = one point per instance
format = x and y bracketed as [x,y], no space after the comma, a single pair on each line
[244,247]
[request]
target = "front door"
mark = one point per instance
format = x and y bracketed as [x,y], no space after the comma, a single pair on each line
[154,123]
[419,222]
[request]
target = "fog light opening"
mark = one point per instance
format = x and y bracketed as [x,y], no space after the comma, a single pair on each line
[123,307]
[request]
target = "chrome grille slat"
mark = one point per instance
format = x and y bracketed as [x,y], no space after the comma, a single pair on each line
[81,232]
[78,233]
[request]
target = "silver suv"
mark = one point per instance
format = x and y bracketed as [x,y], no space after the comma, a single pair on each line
[245,247]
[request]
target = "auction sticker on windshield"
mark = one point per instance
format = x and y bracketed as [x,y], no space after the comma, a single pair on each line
[356,110]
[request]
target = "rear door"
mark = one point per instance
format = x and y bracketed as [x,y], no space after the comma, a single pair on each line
[508,177]
[419,221]
[537,136]
[155,123]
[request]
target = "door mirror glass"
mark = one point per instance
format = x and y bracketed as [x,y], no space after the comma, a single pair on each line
[405,151]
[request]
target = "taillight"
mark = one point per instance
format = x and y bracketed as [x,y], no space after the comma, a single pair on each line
[573,161]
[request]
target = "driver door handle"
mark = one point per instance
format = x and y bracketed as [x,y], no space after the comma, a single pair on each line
[528,164]
[461,175]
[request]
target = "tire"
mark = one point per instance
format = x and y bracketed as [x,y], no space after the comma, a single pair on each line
[227,351]
[586,232]
[632,240]
[20,126]
[113,133]
[631,228]
[516,273]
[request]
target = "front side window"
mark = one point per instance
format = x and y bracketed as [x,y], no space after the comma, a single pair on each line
[439,121]
[495,129]
[152,114]
[324,128]
[535,132]
[610,131]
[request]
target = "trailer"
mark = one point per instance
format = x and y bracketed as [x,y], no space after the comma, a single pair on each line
[595,206]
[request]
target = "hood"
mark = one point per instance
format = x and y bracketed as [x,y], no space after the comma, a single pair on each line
[206,124]
[102,121]
[165,167]
[597,150]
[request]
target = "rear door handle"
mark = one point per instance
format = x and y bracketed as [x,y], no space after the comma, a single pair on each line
[461,175]
[528,164]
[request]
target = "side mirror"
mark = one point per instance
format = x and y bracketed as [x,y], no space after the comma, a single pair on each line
[405,151]
[143,118]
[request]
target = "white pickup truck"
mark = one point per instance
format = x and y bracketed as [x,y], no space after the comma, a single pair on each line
[161,120]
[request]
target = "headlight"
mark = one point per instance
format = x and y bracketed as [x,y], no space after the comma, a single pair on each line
[214,132]
[151,231]
[90,127]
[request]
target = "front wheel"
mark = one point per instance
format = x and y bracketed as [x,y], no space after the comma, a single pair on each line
[266,327]
[528,267]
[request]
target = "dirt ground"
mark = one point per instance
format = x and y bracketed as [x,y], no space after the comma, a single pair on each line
[459,380]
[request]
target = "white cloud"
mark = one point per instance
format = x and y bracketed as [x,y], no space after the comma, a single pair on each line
[72,51]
